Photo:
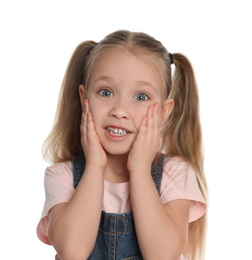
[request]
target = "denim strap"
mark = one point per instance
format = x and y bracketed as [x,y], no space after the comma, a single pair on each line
[156,171]
[79,165]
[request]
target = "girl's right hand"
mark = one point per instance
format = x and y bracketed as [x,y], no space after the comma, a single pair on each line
[93,150]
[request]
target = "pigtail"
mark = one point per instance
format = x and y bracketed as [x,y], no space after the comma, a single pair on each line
[184,121]
[186,141]
[63,143]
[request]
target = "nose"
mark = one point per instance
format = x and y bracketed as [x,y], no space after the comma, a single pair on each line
[120,110]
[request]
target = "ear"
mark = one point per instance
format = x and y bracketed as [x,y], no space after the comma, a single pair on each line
[166,110]
[82,93]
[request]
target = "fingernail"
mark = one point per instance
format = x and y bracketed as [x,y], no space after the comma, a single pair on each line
[157,105]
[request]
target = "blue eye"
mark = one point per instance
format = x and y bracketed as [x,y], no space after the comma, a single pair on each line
[141,97]
[105,93]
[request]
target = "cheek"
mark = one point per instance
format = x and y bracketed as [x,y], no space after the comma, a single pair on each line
[98,111]
[93,108]
[137,118]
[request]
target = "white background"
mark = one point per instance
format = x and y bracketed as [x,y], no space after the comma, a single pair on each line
[37,40]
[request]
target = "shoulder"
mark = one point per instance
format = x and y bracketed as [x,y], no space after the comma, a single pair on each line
[178,174]
[59,179]
[175,168]
[179,181]
[173,163]
[62,170]
[57,168]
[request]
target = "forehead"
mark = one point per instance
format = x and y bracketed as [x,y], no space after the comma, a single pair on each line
[122,64]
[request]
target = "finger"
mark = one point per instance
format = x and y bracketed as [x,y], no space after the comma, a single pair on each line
[92,136]
[143,125]
[83,126]
[150,121]
[84,120]
[86,106]
[142,133]
[156,120]
[90,123]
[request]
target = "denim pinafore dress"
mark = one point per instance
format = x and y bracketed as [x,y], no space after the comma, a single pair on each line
[116,238]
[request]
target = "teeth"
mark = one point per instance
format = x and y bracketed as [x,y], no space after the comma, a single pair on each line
[116,131]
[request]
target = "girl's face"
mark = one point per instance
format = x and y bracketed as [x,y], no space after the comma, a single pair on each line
[120,90]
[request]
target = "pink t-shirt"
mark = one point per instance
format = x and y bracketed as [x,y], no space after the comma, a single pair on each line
[178,182]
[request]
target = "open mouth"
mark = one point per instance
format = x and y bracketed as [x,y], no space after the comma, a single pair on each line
[117,131]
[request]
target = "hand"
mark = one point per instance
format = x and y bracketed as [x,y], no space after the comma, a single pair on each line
[93,150]
[147,141]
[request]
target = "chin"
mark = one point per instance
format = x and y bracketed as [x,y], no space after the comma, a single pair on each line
[116,151]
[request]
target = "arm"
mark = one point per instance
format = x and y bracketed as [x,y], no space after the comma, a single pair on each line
[161,229]
[73,226]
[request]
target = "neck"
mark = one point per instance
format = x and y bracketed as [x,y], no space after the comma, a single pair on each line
[116,170]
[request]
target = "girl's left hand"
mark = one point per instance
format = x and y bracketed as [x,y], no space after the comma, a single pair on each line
[147,142]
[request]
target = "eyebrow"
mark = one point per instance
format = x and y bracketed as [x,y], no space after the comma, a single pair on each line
[139,83]
[105,78]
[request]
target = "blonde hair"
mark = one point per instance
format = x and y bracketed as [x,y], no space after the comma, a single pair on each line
[182,131]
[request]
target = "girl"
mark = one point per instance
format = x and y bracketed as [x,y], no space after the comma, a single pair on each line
[127,180]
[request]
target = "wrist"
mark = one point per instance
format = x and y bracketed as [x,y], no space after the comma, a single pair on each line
[94,167]
[140,172]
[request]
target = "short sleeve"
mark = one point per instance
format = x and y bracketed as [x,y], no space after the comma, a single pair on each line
[58,189]
[179,181]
